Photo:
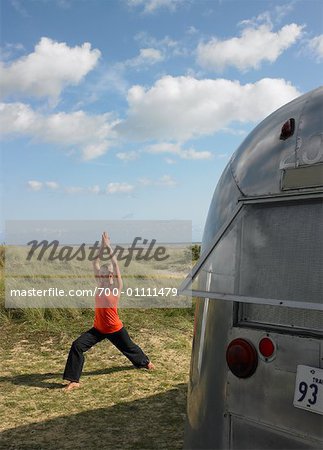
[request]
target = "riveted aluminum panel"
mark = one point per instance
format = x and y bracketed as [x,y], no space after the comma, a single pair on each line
[248,435]
[224,201]
[207,426]
[214,393]
[258,162]
[267,396]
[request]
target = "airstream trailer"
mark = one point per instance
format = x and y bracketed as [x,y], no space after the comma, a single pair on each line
[256,376]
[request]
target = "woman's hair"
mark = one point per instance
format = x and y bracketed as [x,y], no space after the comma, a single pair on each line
[106,268]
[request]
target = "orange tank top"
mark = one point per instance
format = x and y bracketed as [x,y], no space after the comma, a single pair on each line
[106,318]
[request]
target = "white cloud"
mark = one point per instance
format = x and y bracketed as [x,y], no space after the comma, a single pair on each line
[176,149]
[179,108]
[173,148]
[280,11]
[146,39]
[111,188]
[74,190]
[45,72]
[35,185]
[116,187]
[8,50]
[52,185]
[147,56]
[166,45]
[111,79]
[254,46]
[150,55]
[164,181]
[316,47]
[150,6]
[17,5]
[95,189]
[65,4]
[274,15]
[234,131]
[114,77]
[95,150]
[127,156]
[91,134]
[192,30]
[223,155]
[145,181]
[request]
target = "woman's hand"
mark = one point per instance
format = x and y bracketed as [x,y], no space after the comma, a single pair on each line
[106,243]
[105,239]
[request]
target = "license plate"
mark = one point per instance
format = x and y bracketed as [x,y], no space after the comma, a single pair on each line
[309,389]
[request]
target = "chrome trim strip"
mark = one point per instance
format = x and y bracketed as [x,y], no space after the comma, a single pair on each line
[257,300]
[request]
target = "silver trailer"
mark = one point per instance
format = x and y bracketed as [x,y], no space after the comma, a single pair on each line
[256,377]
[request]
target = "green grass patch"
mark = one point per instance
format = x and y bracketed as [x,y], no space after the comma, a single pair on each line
[117,406]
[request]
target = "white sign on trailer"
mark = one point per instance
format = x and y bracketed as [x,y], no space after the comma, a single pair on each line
[309,389]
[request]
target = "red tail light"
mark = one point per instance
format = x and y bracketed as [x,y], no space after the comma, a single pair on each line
[266,348]
[242,358]
[287,129]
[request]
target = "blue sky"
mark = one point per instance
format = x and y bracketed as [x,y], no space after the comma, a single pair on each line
[130,109]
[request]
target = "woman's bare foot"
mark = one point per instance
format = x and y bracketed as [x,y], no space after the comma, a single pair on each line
[72,385]
[150,366]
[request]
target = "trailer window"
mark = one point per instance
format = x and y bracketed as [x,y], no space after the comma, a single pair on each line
[271,253]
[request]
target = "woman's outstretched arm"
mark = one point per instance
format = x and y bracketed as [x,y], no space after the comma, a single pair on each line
[96,260]
[116,270]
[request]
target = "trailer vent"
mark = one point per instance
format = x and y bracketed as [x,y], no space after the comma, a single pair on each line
[268,253]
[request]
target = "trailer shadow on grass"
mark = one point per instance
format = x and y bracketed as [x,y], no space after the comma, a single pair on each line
[41,379]
[155,422]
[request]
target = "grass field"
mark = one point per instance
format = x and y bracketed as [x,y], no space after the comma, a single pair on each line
[117,406]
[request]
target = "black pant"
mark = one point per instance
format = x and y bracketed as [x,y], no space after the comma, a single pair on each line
[120,339]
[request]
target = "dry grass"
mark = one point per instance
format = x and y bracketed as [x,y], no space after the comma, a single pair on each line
[116,407]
